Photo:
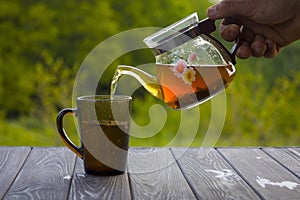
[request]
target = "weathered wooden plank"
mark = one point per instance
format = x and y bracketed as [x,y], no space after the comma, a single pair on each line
[288,157]
[264,174]
[98,187]
[46,174]
[11,161]
[210,176]
[295,151]
[154,174]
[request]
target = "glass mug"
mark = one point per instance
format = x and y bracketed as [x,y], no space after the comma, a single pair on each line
[104,123]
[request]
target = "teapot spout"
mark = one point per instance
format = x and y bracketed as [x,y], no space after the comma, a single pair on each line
[149,82]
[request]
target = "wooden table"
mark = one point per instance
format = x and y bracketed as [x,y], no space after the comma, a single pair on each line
[154,173]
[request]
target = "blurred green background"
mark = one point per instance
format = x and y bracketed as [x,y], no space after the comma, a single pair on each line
[43,43]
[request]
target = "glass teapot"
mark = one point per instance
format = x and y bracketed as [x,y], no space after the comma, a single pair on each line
[191,65]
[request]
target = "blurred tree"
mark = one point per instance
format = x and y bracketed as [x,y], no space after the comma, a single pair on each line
[65,30]
[42,44]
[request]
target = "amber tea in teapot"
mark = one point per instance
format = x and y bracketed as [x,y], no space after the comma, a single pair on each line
[200,83]
[183,88]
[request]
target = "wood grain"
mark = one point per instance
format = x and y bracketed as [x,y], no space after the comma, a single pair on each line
[210,176]
[11,161]
[46,174]
[154,174]
[98,187]
[263,173]
[288,157]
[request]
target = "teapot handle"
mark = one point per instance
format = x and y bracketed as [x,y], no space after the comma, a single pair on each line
[207,26]
[241,37]
[234,49]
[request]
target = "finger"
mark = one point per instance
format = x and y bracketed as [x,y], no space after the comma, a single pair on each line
[259,46]
[244,51]
[264,30]
[272,49]
[229,32]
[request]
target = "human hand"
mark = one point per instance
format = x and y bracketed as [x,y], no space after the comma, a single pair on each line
[268,25]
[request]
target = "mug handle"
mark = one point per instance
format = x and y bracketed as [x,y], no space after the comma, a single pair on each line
[62,133]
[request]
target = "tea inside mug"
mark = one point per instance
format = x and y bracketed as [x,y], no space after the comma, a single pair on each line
[101,152]
[104,129]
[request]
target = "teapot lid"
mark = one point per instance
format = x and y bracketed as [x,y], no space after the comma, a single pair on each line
[179,33]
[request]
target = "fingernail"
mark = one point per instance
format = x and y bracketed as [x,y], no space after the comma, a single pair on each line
[242,56]
[258,52]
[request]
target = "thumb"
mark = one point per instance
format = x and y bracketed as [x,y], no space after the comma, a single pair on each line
[227,8]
